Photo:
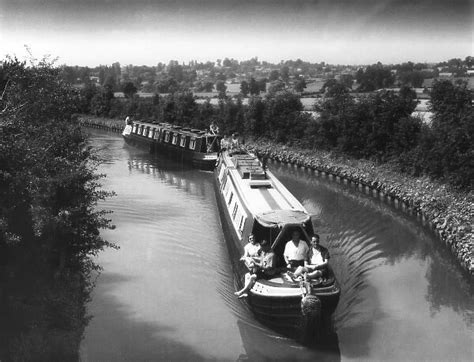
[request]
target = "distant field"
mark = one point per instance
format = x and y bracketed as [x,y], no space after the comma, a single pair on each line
[314,86]
[308,103]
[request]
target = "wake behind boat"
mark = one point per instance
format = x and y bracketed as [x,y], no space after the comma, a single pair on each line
[252,201]
[193,146]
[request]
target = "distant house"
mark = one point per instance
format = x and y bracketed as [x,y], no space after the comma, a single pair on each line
[445,75]
[470,72]
[470,83]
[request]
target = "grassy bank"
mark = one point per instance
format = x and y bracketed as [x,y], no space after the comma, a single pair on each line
[448,211]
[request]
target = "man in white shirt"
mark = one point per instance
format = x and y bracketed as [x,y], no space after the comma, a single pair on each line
[316,264]
[296,251]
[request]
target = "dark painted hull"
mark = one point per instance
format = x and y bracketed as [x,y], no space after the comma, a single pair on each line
[283,314]
[203,161]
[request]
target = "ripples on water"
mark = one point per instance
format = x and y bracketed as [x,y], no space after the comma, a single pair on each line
[394,293]
[168,292]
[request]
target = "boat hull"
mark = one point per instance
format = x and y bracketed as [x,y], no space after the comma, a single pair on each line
[204,161]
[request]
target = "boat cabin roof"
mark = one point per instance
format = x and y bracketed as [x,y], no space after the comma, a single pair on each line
[282,217]
[261,192]
[178,129]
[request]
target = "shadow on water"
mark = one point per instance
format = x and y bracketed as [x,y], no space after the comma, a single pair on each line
[125,338]
[264,345]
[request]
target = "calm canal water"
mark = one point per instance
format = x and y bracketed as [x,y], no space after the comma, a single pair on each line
[167,294]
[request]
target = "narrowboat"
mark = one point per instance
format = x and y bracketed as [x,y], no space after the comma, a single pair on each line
[197,147]
[252,200]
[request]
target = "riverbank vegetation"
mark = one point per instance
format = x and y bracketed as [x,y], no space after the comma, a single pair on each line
[378,126]
[49,224]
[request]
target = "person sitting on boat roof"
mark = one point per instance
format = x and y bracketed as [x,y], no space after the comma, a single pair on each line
[264,269]
[316,265]
[296,251]
[224,143]
[251,252]
[235,145]
[213,128]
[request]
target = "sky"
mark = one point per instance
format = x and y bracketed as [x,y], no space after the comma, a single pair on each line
[145,32]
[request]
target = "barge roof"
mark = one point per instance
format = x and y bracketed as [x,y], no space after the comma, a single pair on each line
[262,193]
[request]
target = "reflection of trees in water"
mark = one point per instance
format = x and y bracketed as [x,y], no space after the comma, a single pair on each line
[133,339]
[191,181]
[364,232]
[447,288]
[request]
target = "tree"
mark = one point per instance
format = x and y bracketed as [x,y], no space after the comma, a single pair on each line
[276,86]
[254,123]
[281,114]
[374,77]
[285,73]
[101,102]
[221,88]
[244,88]
[347,80]
[129,89]
[49,224]
[254,87]
[450,148]
[300,85]
[274,75]
[262,84]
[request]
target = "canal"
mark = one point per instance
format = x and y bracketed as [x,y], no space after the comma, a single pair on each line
[167,293]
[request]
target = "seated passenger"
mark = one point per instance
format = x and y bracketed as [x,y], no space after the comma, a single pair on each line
[234,144]
[224,143]
[264,269]
[213,128]
[316,265]
[251,252]
[296,251]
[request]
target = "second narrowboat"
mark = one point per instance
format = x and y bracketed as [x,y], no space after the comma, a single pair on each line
[197,147]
